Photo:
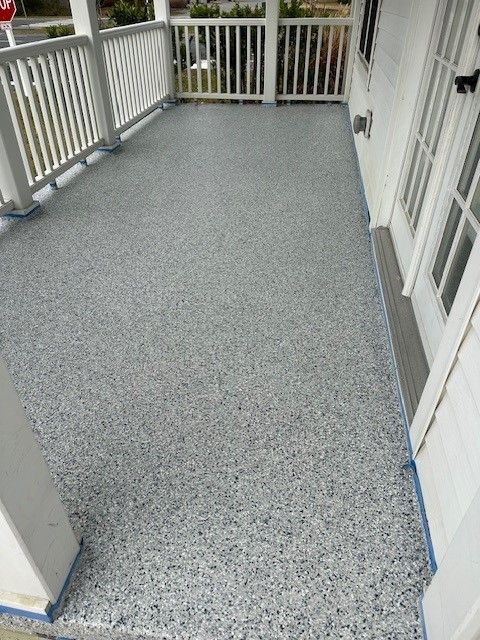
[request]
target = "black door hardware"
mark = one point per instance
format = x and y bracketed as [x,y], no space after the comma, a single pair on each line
[462,82]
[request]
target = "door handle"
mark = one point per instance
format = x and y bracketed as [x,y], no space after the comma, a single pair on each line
[462,82]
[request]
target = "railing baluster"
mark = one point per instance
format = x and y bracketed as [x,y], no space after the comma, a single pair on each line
[118,85]
[297,56]
[26,120]
[113,83]
[88,90]
[259,59]
[248,61]
[120,49]
[187,54]
[317,59]
[238,62]
[209,70]
[198,61]
[218,63]
[53,108]
[151,73]
[339,59]
[143,65]
[227,46]
[60,103]
[329,60]
[68,100]
[39,86]
[47,164]
[131,74]
[307,60]
[160,37]
[76,104]
[286,59]
[179,59]
[82,94]
[157,74]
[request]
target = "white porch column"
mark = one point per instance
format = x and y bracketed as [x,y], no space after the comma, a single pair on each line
[162,12]
[37,544]
[13,178]
[85,21]
[272,9]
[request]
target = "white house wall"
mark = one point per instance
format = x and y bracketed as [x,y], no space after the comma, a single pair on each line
[377,93]
[449,460]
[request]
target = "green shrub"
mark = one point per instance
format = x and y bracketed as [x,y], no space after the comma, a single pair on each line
[205,11]
[60,30]
[124,12]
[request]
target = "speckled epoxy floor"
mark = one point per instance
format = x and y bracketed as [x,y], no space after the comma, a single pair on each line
[194,327]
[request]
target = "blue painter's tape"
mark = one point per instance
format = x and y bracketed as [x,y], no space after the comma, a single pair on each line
[411,462]
[11,611]
[421,613]
[48,616]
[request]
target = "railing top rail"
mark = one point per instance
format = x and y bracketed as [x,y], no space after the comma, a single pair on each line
[283,22]
[33,49]
[220,22]
[106,34]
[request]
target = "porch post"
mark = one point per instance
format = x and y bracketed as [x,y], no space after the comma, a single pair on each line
[85,21]
[37,545]
[272,10]
[13,177]
[162,12]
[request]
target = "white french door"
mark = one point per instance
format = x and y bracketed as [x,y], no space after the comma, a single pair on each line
[418,188]
[455,227]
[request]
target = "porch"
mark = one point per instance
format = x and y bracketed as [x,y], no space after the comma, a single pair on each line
[194,327]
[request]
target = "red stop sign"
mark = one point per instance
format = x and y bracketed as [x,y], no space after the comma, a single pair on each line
[7,10]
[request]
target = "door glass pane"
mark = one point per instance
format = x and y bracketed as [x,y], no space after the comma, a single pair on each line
[439,104]
[429,97]
[470,166]
[411,173]
[421,197]
[446,243]
[447,20]
[439,123]
[461,40]
[475,206]
[458,266]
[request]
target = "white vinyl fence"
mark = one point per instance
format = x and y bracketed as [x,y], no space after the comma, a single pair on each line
[47,86]
[224,58]
[312,58]
[135,59]
[219,58]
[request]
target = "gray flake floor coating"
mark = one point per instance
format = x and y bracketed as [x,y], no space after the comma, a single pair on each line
[194,327]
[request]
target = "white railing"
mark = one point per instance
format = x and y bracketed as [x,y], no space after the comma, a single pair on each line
[137,76]
[66,97]
[48,92]
[313,58]
[219,58]
[224,58]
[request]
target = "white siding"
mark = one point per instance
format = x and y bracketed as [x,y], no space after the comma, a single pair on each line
[449,460]
[379,95]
